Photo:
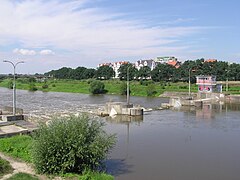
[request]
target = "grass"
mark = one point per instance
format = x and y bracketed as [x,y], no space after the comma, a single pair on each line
[5,167]
[112,86]
[22,176]
[17,146]
[89,175]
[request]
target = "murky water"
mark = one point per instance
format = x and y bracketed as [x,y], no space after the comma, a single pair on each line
[183,144]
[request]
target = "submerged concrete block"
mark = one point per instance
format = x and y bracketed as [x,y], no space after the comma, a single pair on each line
[136,112]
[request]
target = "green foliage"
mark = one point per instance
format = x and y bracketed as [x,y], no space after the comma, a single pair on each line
[127,69]
[145,82]
[5,167]
[10,84]
[144,72]
[32,87]
[104,72]
[22,176]
[70,145]
[97,87]
[90,175]
[151,90]
[123,88]
[17,146]
[31,80]
[45,86]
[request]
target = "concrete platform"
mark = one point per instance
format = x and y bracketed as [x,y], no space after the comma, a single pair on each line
[12,128]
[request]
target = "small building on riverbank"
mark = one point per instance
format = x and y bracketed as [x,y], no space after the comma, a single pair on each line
[208,84]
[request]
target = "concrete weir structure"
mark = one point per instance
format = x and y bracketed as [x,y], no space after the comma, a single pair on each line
[120,108]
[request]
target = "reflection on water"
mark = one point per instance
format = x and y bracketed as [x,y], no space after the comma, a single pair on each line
[182,144]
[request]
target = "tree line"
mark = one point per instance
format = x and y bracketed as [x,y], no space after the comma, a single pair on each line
[162,72]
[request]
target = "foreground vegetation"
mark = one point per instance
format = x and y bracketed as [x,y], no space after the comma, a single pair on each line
[75,145]
[5,168]
[22,176]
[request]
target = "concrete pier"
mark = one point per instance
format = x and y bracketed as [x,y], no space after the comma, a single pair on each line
[121,108]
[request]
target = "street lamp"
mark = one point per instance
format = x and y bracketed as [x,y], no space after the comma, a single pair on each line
[189,82]
[128,85]
[14,83]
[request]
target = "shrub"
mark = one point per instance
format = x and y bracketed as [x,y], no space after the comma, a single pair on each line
[145,82]
[5,167]
[45,86]
[70,145]
[53,85]
[97,87]
[31,80]
[10,84]
[32,87]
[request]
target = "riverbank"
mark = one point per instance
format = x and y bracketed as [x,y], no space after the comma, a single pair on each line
[137,88]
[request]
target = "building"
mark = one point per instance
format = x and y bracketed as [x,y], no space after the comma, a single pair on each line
[165,59]
[208,84]
[148,62]
[210,60]
[174,63]
[116,66]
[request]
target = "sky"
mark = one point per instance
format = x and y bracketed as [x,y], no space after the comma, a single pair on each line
[50,34]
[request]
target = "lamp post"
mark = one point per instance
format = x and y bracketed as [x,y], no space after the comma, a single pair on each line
[128,85]
[14,83]
[189,82]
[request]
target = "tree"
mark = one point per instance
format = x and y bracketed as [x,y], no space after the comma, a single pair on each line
[144,72]
[163,72]
[78,73]
[127,68]
[104,72]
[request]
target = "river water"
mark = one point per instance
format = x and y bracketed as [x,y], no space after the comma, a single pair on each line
[177,144]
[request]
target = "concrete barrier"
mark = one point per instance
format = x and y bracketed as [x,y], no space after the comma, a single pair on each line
[12,118]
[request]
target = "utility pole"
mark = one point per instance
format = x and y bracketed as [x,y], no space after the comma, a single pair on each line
[14,83]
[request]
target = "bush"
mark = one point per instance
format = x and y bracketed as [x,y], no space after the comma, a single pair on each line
[70,145]
[53,85]
[32,87]
[31,80]
[97,87]
[145,82]
[10,84]
[5,167]
[45,86]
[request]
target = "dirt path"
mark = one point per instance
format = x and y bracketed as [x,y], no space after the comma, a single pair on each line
[19,166]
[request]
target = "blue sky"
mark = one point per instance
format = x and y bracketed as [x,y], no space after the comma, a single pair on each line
[50,34]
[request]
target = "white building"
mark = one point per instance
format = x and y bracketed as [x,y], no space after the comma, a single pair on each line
[148,62]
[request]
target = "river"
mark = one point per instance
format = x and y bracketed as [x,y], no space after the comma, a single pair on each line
[178,144]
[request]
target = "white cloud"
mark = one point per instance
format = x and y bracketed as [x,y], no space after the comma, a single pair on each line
[25,52]
[92,33]
[46,52]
